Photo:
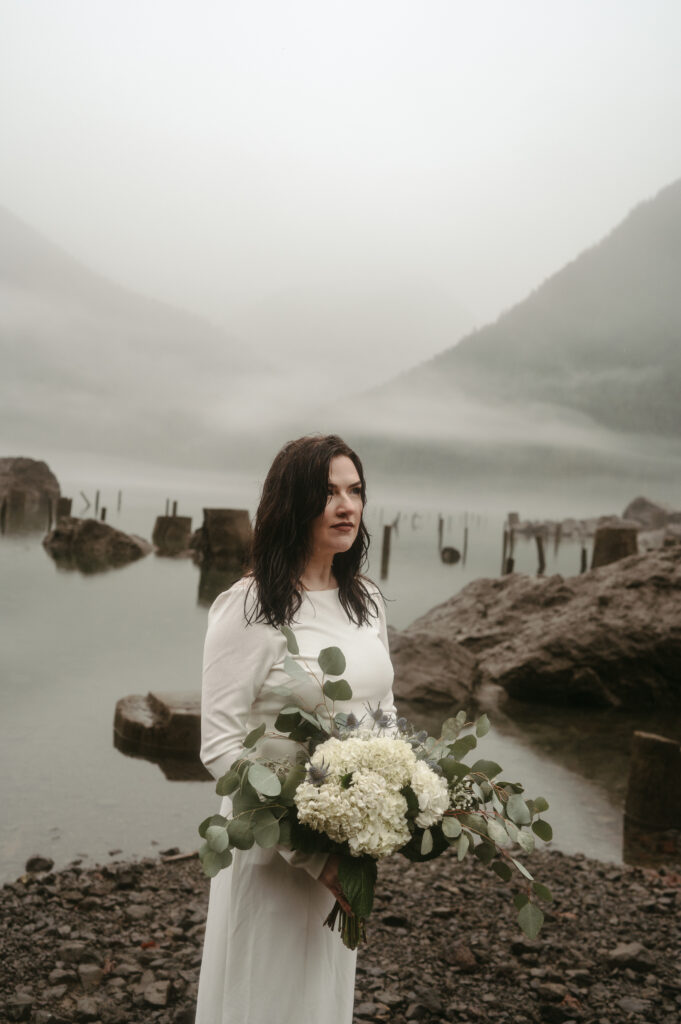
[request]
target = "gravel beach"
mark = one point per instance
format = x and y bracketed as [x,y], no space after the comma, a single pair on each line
[122,943]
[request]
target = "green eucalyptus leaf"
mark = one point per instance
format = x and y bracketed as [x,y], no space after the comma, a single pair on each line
[522,869]
[485,851]
[461,717]
[496,831]
[285,835]
[240,833]
[211,862]
[426,842]
[266,830]
[357,877]
[338,689]
[332,661]
[295,670]
[287,719]
[451,827]
[254,736]
[282,691]
[526,841]
[450,730]
[542,829]
[227,783]
[503,870]
[213,819]
[513,830]
[521,899]
[452,769]
[487,768]
[264,780]
[540,804]
[462,844]
[543,892]
[482,726]
[291,642]
[517,810]
[294,777]
[530,919]
[461,747]
[496,803]
[217,838]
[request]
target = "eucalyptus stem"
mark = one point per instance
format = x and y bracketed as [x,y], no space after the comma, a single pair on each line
[352,929]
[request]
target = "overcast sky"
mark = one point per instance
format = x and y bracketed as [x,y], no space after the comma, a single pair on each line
[320,176]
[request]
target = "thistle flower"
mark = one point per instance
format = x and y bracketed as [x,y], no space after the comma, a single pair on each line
[317,773]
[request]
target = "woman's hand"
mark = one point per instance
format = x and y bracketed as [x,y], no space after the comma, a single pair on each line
[329,878]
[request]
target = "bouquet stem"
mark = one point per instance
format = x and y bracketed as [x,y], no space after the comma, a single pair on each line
[351,928]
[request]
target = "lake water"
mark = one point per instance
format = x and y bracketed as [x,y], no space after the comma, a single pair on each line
[72,645]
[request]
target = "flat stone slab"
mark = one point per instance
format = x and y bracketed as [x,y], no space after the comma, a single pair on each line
[159,724]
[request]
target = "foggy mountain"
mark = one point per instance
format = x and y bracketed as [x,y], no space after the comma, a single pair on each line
[601,338]
[88,365]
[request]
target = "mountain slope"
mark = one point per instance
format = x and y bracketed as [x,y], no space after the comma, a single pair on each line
[602,337]
[88,364]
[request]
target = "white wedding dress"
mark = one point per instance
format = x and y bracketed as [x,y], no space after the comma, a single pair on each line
[267,958]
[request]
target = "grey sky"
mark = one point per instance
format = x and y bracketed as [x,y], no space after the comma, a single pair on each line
[320,177]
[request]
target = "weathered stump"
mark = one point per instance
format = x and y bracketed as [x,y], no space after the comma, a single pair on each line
[64,508]
[652,811]
[158,724]
[224,539]
[613,542]
[171,534]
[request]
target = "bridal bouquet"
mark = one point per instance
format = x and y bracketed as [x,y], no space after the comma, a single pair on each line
[365,789]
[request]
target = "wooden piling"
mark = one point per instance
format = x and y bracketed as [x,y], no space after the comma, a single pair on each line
[86,500]
[465,541]
[540,554]
[3,515]
[167,512]
[504,551]
[96,502]
[174,508]
[102,515]
[385,551]
[440,531]
[584,560]
[119,501]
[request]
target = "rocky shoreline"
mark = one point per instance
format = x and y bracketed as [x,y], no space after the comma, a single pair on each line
[122,943]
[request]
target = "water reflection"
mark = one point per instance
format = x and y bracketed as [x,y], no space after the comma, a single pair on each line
[213,580]
[175,769]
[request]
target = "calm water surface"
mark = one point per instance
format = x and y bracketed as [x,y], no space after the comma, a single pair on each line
[72,645]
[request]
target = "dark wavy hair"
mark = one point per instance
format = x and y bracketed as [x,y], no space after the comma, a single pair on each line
[294,493]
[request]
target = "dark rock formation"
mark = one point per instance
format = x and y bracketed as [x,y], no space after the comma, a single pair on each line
[92,546]
[29,492]
[430,667]
[611,637]
[650,514]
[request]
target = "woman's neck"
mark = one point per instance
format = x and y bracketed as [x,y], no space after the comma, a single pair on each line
[318,574]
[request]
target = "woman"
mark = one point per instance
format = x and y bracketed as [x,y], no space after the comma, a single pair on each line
[267,957]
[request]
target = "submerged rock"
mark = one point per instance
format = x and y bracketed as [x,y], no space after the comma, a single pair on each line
[92,546]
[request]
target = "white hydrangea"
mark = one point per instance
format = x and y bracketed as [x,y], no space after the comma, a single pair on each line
[369,813]
[432,793]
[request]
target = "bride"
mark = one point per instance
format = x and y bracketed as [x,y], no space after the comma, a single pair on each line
[267,959]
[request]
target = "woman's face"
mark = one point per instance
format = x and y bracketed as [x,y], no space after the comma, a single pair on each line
[334,531]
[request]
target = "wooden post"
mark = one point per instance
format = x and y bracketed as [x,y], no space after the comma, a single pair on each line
[167,512]
[119,501]
[558,536]
[102,515]
[540,554]
[174,508]
[440,530]
[465,538]
[96,502]
[86,500]
[504,551]
[3,515]
[385,552]
[583,562]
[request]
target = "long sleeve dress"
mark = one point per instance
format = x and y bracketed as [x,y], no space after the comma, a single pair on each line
[267,958]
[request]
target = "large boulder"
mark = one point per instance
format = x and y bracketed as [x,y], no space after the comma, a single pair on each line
[29,492]
[610,637]
[431,668]
[649,514]
[92,546]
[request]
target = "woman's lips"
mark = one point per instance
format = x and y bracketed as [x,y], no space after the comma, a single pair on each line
[343,527]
